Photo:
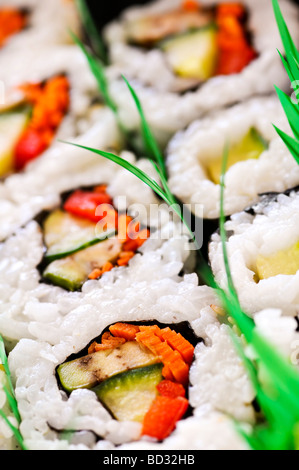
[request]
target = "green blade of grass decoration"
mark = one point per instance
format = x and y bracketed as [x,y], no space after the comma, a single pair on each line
[91,31]
[291,65]
[291,110]
[150,142]
[98,70]
[278,397]
[10,395]
[290,49]
[291,143]
[15,431]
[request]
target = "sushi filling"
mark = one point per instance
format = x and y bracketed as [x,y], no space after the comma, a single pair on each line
[284,262]
[198,42]
[87,237]
[28,124]
[12,21]
[249,148]
[145,378]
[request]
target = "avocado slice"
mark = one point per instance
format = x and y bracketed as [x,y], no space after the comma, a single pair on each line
[129,395]
[66,234]
[193,54]
[250,148]
[72,271]
[284,262]
[12,125]
[88,371]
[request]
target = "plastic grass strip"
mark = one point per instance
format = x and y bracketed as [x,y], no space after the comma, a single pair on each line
[91,31]
[291,51]
[275,381]
[10,394]
[291,65]
[98,71]
[149,140]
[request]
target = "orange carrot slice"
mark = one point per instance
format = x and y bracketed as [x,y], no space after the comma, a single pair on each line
[161,419]
[179,343]
[171,359]
[170,389]
[124,330]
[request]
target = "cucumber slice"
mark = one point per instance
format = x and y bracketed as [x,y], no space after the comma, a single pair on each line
[194,54]
[72,271]
[88,371]
[66,234]
[250,147]
[12,125]
[129,395]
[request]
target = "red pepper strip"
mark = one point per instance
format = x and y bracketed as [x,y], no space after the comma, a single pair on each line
[234,51]
[84,204]
[32,144]
[161,419]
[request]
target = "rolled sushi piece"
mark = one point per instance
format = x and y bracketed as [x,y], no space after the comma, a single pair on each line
[172,369]
[257,160]
[47,101]
[216,53]
[31,23]
[263,254]
[83,240]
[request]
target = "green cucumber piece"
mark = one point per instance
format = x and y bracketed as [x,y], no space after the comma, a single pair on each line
[193,54]
[129,395]
[88,371]
[66,234]
[72,271]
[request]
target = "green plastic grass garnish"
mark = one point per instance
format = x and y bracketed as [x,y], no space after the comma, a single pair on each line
[91,30]
[291,65]
[10,395]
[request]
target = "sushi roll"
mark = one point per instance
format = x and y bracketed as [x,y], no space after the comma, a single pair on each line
[31,23]
[187,59]
[46,102]
[257,161]
[263,254]
[72,401]
[86,237]
[49,103]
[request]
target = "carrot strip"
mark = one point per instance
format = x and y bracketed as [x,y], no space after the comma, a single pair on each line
[168,388]
[124,330]
[161,419]
[179,343]
[170,358]
[125,257]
